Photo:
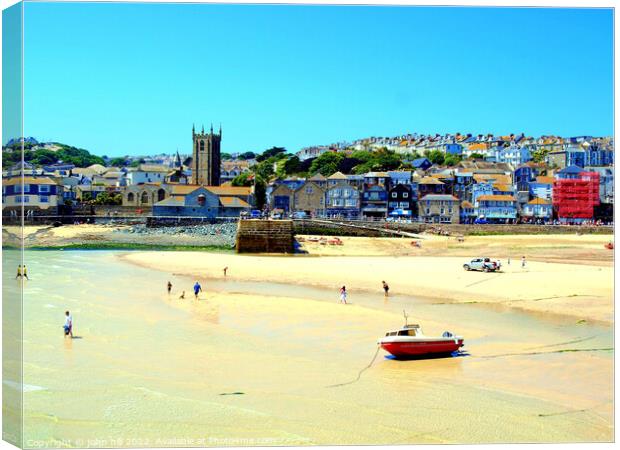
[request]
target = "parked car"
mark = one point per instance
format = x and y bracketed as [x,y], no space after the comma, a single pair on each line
[481,221]
[255,214]
[299,215]
[484,264]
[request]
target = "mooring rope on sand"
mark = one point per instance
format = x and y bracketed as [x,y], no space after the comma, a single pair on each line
[359,375]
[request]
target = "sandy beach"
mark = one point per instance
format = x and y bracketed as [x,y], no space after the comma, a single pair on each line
[283,359]
[270,347]
[577,288]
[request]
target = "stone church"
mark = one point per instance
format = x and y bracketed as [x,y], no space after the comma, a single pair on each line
[206,157]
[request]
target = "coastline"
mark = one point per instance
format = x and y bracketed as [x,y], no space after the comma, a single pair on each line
[540,288]
[282,346]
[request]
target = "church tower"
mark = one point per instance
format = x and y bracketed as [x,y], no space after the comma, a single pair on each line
[206,157]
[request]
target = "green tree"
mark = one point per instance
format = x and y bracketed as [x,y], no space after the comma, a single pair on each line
[385,159]
[273,151]
[292,165]
[260,192]
[476,156]
[539,155]
[327,163]
[247,155]
[118,161]
[436,157]
[264,169]
[243,179]
[44,157]
[452,160]
[136,162]
[225,156]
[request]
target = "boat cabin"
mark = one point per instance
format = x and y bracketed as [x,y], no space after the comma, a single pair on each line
[407,330]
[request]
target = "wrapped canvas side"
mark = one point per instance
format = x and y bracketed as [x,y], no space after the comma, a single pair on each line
[12,225]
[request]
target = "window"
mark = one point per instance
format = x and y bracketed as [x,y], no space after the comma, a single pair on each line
[130,197]
[404,205]
[309,190]
[44,188]
[44,199]
[405,194]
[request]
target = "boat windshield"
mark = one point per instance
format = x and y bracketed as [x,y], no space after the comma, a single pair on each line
[408,332]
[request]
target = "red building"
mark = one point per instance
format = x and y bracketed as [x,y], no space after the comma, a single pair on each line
[575,194]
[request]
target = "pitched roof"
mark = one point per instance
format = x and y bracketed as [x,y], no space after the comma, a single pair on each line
[337,176]
[97,168]
[317,177]
[539,201]
[466,204]
[153,168]
[171,201]
[28,180]
[183,189]
[502,187]
[233,202]
[230,190]
[543,180]
[500,198]
[377,174]
[572,170]
[439,197]
[430,180]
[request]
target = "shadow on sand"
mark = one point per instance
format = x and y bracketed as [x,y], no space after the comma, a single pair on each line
[457,354]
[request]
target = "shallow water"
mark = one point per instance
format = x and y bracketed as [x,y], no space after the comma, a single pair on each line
[249,364]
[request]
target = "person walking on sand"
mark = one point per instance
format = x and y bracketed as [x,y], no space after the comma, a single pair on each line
[523,262]
[343,295]
[197,289]
[509,260]
[169,287]
[182,296]
[19,272]
[25,272]
[386,288]
[225,270]
[68,327]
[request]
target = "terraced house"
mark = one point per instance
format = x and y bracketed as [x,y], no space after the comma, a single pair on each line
[439,208]
[342,200]
[38,195]
[497,208]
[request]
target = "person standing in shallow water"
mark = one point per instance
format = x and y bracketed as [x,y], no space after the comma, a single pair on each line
[225,270]
[343,295]
[19,272]
[68,327]
[523,262]
[197,289]
[169,287]
[386,288]
[25,272]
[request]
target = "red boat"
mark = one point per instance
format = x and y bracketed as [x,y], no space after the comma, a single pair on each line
[409,341]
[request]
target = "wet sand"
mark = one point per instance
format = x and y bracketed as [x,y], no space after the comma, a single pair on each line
[250,362]
[583,292]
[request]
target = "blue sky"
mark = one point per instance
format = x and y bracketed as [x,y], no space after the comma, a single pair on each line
[132,78]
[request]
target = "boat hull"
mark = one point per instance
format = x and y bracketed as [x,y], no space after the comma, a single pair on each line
[419,348]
